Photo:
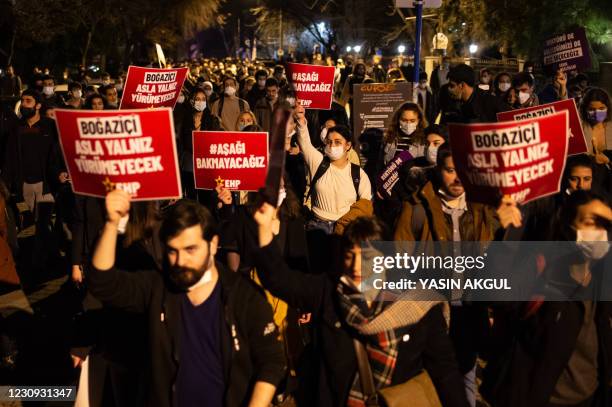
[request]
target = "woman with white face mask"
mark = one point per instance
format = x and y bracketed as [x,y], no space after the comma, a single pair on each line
[198,118]
[417,172]
[405,133]
[502,85]
[338,188]
[559,353]
[596,115]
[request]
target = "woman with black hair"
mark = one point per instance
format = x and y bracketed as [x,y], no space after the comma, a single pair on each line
[198,118]
[95,101]
[111,340]
[502,85]
[558,350]
[596,113]
[399,340]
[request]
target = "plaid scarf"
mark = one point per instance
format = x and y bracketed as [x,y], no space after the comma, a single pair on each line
[377,326]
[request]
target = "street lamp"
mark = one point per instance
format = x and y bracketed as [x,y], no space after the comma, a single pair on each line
[348,49]
[401,49]
[473,48]
[357,48]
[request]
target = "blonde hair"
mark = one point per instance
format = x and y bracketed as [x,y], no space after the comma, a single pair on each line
[247,112]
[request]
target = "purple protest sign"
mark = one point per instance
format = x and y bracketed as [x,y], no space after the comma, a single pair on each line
[568,51]
[390,175]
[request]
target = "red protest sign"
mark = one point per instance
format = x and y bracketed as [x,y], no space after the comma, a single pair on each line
[133,150]
[152,87]
[313,84]
[233,159]
[524,159]
[577,143]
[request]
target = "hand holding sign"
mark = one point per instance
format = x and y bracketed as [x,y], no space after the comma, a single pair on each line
[117,206]
[223,195]
[299,115]
[509,214]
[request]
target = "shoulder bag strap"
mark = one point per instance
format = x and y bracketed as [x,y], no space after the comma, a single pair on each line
[365,375]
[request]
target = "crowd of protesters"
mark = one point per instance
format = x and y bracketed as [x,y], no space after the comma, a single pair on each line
[221,299]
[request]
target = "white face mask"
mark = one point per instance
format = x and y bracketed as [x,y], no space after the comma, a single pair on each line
[484,87]
[282,194]
[504,86]
[77,94]
[593,244]
[119,87]
[432,154]
[323,134]
[230,91]
[407,127]
[208,92]
[206,277]
[48,90]
[523,97]
[334,153]
[180,99]
[199,105]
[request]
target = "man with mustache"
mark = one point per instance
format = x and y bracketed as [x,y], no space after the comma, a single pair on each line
[439,212]
[212,337]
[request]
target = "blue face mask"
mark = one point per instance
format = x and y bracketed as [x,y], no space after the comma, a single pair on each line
[598,116]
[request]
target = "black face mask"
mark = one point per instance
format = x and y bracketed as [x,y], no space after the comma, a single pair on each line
[27,112]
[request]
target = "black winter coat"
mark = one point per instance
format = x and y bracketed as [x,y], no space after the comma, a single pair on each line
[425,345]
[533,343]
[253,354]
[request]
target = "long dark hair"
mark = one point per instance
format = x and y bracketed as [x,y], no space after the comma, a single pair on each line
[89,101]
[592,95]
[393,132]
[143,222]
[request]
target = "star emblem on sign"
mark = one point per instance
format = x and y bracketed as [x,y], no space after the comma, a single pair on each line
[108,185]
[220,181]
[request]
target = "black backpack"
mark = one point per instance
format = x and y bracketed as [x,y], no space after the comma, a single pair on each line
[322,169]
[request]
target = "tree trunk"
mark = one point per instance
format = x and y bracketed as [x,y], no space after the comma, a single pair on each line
[86,48]
[12,50]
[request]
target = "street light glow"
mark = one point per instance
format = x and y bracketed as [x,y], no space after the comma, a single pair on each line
[401,49]
[473,48]
[348,49]
[357,48]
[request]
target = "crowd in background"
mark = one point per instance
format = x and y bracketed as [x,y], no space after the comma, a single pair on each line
[264,303]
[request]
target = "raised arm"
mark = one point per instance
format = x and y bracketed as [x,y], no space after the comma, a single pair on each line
[117,206]
[129,291]
[312,156]
[299,290]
